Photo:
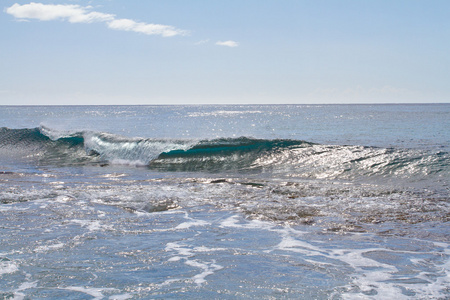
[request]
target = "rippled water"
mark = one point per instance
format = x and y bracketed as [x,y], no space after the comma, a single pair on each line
[301,202]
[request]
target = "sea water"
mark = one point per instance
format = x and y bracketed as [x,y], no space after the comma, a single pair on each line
[225,202]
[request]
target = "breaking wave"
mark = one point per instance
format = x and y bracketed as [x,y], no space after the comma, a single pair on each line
[294,158]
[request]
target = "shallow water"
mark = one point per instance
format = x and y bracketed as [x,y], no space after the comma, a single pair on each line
[171,202]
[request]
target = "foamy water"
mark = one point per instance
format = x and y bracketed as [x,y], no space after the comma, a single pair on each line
[224,217]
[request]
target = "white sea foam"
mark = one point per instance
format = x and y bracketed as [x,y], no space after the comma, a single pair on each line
[193,223]
[64,198]
[113,176]
[18,293]
[370,279]
[6,207]
[208,268]
[207,249]
[92,225]
[185,253]
[127,162]
[289,243]
[57,183]
[121,297]
[181,249]
[97,293]
[7,267]
[233,237]
[369,275]
[46,248]
[253,224]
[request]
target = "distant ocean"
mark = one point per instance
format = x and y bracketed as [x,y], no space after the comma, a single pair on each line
[225,202]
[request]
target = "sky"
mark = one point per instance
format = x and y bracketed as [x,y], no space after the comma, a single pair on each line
[107,52]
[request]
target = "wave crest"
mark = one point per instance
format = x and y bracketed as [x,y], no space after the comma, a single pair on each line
[284,157]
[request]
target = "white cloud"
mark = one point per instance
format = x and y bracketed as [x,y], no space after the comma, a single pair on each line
[122,24]
[48,12]
[150,29]
[79,14]
[202,42]
[227,43]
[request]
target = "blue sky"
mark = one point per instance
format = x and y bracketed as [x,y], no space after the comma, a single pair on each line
[224,52]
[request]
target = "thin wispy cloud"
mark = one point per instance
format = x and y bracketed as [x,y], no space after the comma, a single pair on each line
[150,29]
[202,42]
[227,43]
[79,14]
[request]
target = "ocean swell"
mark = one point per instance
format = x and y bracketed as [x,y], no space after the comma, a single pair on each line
[283,157]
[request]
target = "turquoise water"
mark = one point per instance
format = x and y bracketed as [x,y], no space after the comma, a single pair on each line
[283,201]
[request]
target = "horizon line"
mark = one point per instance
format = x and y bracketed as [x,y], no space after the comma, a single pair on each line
[233,104]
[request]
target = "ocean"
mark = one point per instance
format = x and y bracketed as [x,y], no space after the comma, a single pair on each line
[225,202]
